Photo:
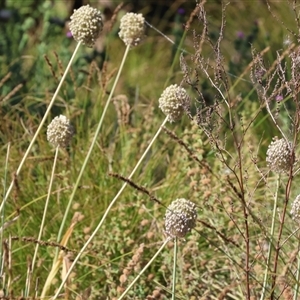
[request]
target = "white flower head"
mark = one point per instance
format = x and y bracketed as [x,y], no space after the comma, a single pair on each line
[86,25]
[180,218]
[172,102]
[132,29]
[60,131]
[279,155]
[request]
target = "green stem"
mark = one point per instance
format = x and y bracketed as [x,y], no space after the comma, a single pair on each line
[145,268]
[174,269]
[270,241]
[40,126]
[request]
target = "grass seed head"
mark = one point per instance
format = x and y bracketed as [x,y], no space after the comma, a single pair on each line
[132,29]
[86,25]
[172,102]
[180,218]
[295,211]
[60,131]
[279,155]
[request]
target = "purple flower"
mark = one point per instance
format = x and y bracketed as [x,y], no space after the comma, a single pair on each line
[240,34]
[181,11]
[69,34]
[279,98]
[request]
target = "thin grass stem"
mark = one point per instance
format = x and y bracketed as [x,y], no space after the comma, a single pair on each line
[265,282]
[178,47]
[298,273]
[45,212]
[90,150]
[40,125]
[107,210]
[3,211]
[145,268]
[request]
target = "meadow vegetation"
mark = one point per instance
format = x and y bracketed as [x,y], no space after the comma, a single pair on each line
[232,152]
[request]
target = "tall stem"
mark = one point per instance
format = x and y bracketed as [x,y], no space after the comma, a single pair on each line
[45,208]
[2,212]
[265,283]
[278,247]
[298,272]
[107,211]
[41,125]
[174,269]
[90,150]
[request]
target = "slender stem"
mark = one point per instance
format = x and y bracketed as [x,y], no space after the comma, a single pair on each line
[179,47]
[220,92]
[247,240]
[2,213]
[263,293]
[275,122]
[107,211]
[145,268]
[41,125]
[90,149]
[45,209]
[298,273]
[246,211]
[280,231]
[174,269]
[9,264]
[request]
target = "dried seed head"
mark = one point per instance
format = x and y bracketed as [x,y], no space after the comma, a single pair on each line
[180,218]
[295,211]
[172,102]
[60,131]
[86,25]
[279,155]
[132,29]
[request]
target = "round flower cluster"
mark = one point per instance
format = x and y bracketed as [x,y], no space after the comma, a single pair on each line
[60,131]
[86,25]
[180,218]
[171,102]
[279,155]
[132,29]
[295,211]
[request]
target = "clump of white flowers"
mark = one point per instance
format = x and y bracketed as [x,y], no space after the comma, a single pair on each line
[180,218]
[279,155]
[132,29]
[60,131]
[86,25]
[172,102]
